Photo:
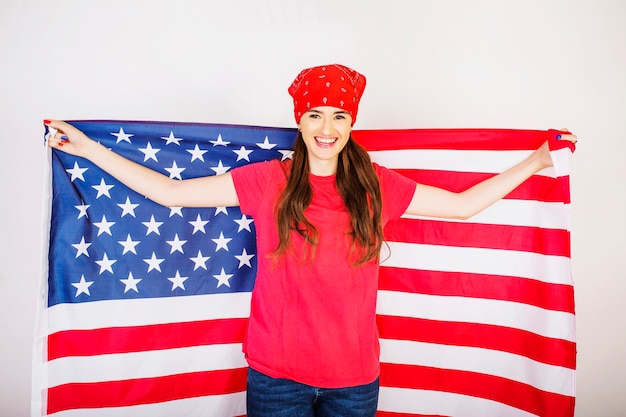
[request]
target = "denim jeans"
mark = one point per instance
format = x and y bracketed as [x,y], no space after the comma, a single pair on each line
[277,397]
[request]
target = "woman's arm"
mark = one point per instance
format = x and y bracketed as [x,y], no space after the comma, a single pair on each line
[436,202]
[210,191]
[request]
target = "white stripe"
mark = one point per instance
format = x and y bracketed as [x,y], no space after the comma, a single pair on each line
[528,213]
[545,268]
[553,324]
[156,363]
[411,401]
[145,311]
[457,160]
[561,161]
[229,405]
[545,377]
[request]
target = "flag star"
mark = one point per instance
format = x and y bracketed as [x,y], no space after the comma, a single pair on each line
[219,141]
[153,226]
[178,281]
[154,263]
[176,244]
[82,287]
[106,264]
[286,154]
[81,247]
[222,278]
[266,144]
[244,223]
[200,261]
[176,210]
[103,188]
[128,207]
[198,225]
[219,210]
[244,258]
[149,152]
[221,242]
[82,210]
[131,283]
[129,245]
[220,168]
[197,153]
[172,139]
[175,171]
[121,136]
[77,172]
[104,226]
[243,153]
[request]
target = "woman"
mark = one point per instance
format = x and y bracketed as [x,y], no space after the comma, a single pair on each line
[312,342]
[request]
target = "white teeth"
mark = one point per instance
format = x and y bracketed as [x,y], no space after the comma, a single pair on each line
[325,141]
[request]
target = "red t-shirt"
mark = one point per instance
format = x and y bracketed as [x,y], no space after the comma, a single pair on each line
[313,322]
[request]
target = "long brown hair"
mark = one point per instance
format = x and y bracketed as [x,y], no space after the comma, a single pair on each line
[358,186]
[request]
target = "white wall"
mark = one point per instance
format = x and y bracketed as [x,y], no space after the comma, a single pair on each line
[533,64]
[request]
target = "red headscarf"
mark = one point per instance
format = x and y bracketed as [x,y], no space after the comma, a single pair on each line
[327,85]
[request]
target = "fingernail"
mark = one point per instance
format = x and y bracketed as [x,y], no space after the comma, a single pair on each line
[60,144]
[46,122]
[63,137]
[558,136]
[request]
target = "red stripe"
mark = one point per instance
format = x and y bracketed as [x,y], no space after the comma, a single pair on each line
[459,139]
[556,297]
[145,390]
[537,187]
[542,349]
[145,338]
[479,235]
[513,393]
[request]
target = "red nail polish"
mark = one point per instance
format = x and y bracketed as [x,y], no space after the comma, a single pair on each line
[46,122]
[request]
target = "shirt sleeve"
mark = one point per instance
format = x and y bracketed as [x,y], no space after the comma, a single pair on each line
[397,192]
[255,183]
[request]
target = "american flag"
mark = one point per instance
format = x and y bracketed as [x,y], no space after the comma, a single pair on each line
[143,307]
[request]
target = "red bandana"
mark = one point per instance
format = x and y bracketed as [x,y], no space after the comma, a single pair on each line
[328,85]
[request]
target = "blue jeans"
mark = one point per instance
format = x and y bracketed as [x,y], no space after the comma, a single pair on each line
[277,397]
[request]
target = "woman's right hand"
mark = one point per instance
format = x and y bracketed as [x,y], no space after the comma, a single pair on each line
[68,138]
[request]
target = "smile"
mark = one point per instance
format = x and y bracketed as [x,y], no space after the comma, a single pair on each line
[324,141]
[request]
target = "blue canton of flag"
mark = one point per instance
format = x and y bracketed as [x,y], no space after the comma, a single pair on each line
[109,242]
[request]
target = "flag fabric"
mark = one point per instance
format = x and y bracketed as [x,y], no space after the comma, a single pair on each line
[143,308]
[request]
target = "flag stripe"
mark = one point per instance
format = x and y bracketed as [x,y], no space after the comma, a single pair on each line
[138,365]
[430,403]
[539,188]
[518,213]
[478,360]
[146,390]
[478,260]
[557,297]
[546,350]
[517,238]
[142,338]
[461,139]
[491,387]
[147,311]
[554,324]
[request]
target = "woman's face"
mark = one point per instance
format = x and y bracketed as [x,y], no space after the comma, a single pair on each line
[325,131]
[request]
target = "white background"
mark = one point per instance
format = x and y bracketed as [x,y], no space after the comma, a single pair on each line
[530,64]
